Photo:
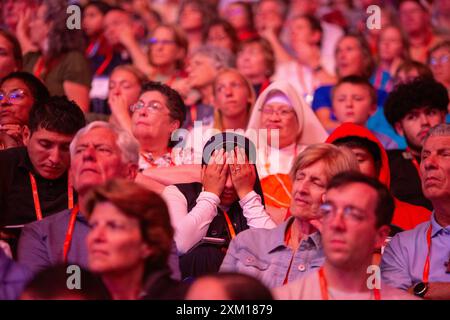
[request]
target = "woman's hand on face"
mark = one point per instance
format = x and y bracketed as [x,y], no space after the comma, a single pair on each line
[214,175]
[126,35]
[15,131]
[118,105]
[243,174]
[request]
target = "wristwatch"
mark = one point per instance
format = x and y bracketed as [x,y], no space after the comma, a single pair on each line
[420,289]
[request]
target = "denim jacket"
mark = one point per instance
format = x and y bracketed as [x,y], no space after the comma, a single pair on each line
[262,253]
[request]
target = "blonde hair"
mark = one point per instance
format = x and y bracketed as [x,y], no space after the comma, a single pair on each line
[335,159]
[140,77]
[218,124]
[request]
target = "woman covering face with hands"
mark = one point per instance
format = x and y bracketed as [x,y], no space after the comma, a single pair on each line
[207,215]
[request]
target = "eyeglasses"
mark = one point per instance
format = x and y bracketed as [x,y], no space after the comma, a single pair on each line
[160,41]
[350,213]
[152,107]
[282,113]
[441,60]
[13,96]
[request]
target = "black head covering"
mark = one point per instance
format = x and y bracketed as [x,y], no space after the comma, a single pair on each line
[228,141]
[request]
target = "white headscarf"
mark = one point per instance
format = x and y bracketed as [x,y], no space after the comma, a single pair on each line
[310,130]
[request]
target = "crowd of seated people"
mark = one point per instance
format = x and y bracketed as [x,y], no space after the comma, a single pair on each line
[225,149]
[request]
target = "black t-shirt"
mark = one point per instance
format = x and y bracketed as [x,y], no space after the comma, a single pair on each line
[405,180]
[16,198]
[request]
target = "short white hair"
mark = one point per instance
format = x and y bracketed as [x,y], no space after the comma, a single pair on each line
[441,130]
[127,144]
[221,57]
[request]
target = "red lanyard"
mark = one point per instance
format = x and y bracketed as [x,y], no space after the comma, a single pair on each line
[264,85]
[324,287]
[104,64]
[69,233]
[378,78]
[38,68]
[193,112]
[426,268]
[414,161]
[37,205]
[92,49]
[230,225]
[287,238]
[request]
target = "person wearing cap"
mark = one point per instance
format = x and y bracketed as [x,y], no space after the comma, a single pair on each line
[290,125]
[415,18]
[412,109]
[207,215]
[281,255]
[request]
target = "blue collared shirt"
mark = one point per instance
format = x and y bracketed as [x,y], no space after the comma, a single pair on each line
[263,253]
[404,257]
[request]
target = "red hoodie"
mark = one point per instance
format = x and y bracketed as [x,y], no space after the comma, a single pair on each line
[406,216]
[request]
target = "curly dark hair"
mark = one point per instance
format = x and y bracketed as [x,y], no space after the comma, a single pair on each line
[422,92]
[57,114]
[175,103]
[60,38]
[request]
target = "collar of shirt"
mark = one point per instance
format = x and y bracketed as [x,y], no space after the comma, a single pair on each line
[437,228]
[277,237]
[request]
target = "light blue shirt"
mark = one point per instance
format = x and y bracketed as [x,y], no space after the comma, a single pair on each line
[404,257]
[262,253]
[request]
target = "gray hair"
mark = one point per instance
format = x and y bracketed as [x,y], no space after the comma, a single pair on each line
[127,144]
[222,57]
[441,130]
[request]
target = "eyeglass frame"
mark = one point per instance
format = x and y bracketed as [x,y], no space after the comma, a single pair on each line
[141,104]
[8,95]
[439,61]
[281,113]
[153,41]
[350,213]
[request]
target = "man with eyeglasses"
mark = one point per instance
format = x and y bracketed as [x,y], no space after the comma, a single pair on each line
[418,260]
[412,109]
[356,213]
[34,180]
[99,152]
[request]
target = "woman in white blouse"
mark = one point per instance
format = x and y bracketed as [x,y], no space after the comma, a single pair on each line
[207,215]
